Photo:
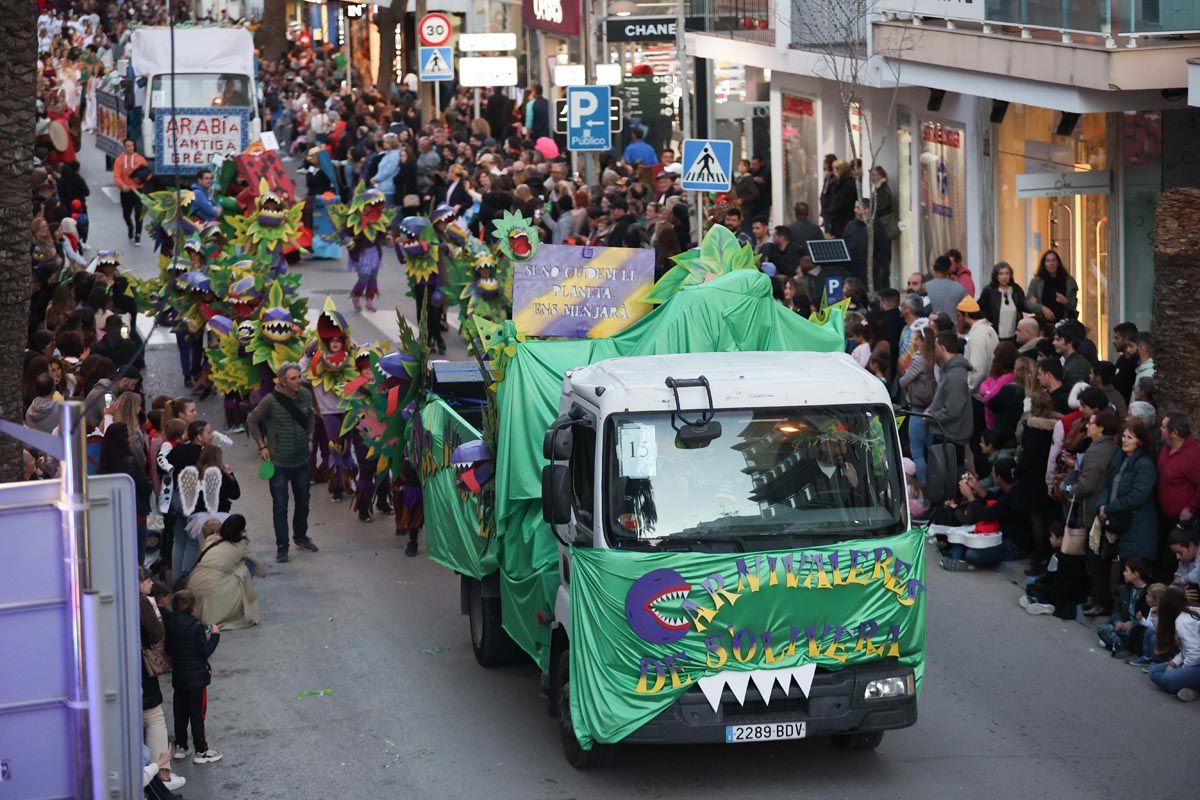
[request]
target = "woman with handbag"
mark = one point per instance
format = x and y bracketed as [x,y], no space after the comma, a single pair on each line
[154,663]
[1126,509]
[1083,487]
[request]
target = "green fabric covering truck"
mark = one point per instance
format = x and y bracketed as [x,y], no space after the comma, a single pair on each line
[697,528]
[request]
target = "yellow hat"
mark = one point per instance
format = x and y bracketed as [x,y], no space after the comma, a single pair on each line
[968,305]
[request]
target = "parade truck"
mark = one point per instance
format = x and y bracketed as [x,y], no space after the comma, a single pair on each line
[697,528]
[197,96]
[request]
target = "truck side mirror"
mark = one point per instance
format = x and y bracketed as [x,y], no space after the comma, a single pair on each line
[558,442]
[941,473]
[556,494]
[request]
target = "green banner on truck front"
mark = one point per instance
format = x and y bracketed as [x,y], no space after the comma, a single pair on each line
[647,627]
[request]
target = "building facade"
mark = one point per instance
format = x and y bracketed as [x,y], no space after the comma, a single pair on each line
[1007,128]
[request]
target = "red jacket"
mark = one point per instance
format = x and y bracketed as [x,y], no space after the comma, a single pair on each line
[1179,478]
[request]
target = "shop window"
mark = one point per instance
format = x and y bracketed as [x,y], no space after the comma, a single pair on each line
[801,159]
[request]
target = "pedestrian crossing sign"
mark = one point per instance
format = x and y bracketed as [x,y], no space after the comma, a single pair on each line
[707,164]
[437,63]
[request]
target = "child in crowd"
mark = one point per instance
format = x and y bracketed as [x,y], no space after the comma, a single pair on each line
[1147,623]
[1178,632]
[189,643]
[1119,633]
[1062,587]
[878,365]
[862,344]
[918,505]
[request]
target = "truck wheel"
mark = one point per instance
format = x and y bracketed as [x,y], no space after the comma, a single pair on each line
[493,647]
[577,757]
[868,740]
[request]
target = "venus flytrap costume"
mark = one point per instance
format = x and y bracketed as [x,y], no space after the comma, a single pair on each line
[374,421]
[272,227]
[361,225]
[483,295]
[418,249]
[329,363]
[169,220]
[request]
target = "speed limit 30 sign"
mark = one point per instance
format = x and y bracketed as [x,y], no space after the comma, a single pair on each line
[434,30]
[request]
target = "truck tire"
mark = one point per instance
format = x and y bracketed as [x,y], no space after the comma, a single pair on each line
[868,740]
[577,757]
[493,647]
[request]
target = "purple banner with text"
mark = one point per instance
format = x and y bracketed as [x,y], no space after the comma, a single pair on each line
[581,292]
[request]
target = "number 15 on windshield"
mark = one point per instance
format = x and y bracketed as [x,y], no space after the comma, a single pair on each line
[639,452]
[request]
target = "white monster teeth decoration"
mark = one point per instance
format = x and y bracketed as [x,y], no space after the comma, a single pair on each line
[764,680]
[667,619]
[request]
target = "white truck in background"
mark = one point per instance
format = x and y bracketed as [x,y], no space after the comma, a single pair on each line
[207,75]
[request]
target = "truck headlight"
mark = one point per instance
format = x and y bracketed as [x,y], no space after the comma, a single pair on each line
[887,688]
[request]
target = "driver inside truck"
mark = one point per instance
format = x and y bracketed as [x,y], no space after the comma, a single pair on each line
[234,92]
[829,476]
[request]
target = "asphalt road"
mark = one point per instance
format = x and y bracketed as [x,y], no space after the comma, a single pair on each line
[1013,706]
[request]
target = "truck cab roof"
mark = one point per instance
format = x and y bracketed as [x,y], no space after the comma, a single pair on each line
[738,380]
[208,49]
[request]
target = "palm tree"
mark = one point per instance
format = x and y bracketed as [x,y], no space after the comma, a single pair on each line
[1176,348]
[18,91]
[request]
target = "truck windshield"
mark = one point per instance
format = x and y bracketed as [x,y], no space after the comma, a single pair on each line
[200,90]
[773,473]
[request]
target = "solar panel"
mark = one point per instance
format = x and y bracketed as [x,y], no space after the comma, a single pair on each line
[828,251]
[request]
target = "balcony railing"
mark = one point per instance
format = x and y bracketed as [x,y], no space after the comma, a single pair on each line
[838,26]
[1114,18]
[744,20]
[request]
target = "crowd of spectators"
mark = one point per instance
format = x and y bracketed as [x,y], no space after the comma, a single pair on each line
[1068,460]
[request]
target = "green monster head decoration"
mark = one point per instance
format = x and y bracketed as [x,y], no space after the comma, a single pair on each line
[169,212]
[516,236]
[497,342]
[366,214]
[719,253]
[272,225]
[232,369]
[277,338]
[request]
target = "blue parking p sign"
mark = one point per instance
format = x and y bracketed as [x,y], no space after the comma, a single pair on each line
[707,165]
[589,124]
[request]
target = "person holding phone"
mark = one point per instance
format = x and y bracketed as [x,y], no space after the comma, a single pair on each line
[1185,544]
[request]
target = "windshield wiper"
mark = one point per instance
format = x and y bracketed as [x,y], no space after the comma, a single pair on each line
[670,542]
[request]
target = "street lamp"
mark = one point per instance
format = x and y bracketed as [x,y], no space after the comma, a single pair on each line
[622,8]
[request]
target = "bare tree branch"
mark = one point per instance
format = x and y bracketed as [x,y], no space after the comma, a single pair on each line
[837,31]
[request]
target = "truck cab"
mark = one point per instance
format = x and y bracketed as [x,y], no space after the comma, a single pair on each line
[208,68]
[740,452]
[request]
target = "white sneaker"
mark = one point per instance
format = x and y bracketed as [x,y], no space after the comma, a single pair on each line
[207,757]
[1186,695]
[1039,608]
[179,753]
[1023,601]
[175,782]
